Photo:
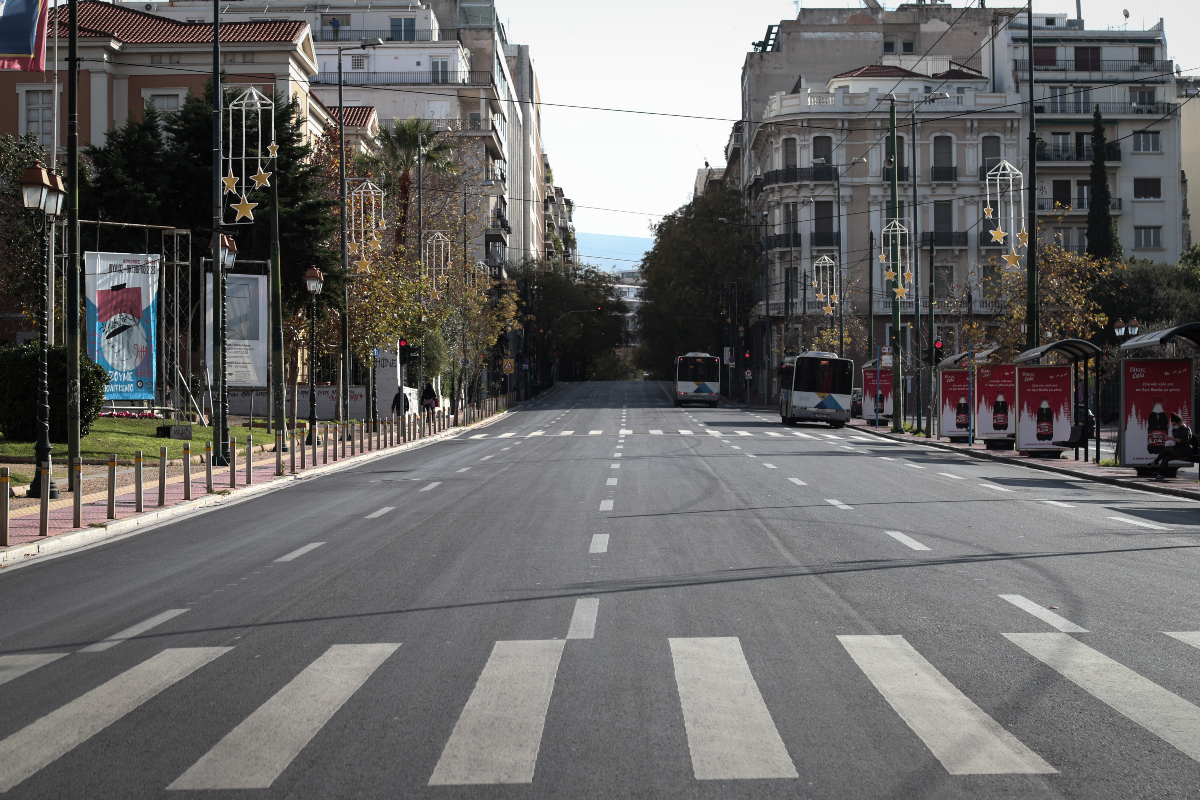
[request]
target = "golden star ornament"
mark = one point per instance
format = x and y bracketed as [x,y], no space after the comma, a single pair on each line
[890,275]
[821,296]
[261,179]
[362,264]
[987,212]
[832,298]
[882,257]
[1024,237]
[901,292]
[1012,259]
[230,182]
[829,311]
[908,276]
[273,149]
[998,235]
[244,209]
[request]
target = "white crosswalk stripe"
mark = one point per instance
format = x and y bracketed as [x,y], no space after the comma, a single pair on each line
[14,666]
[136,630]
[685,433]
[258,750]
[56,734]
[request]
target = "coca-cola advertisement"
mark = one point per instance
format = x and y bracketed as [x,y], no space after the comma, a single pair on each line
[877,393]
[1044,401]
[996,402]
[1151,390]
[955,391]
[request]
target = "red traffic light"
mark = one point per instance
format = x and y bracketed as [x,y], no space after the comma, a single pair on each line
[404,343]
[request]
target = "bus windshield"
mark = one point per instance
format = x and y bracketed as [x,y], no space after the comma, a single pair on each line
[699,370]
[824,375]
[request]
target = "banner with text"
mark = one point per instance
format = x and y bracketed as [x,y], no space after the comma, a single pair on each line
[877,393]
[1044,403]
[1151,389]
[121,312]
[954,387]
[995,390]
[246,329]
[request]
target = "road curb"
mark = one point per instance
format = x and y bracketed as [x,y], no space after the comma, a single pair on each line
[1031,464]
[25,553]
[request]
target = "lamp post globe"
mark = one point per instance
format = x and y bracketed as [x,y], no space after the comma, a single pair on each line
[315,281]
[1119,327]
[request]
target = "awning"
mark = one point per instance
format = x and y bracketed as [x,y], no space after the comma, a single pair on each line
[1075,349]
[1188,333]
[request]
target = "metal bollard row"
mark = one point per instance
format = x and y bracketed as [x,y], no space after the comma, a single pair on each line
[112,486]
[187,470]
[138,499]
[162,477]
[6,489]
[249,460]
[232,462]
[77,500]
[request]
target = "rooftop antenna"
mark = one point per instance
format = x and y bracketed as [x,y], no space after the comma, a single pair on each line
[1125,11]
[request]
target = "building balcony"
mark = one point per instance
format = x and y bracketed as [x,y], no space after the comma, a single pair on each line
[941,305]
[355,35]
[1093,66]
[817,174]
[1070,106]
[783,240]
[1075,154]
[944,238]
[1078,206]
[825,239]
[943,174]
[435,78]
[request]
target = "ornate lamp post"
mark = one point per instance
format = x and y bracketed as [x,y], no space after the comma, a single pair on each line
[41,191]
[315,282]
[1119,328]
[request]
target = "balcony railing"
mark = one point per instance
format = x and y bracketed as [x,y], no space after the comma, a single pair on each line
[357,78]
[355,35]
[1047,152]
[783,240]
[1072,105]
[452,124]
[825,238]
[901,177]
[1093,65]
[944,238]
[815,174]
[943,173]
[1080,204]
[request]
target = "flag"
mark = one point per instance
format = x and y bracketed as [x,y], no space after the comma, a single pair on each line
[23,34]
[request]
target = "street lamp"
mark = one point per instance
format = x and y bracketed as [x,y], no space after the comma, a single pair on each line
[41,191]
[1119,327]
[315,282]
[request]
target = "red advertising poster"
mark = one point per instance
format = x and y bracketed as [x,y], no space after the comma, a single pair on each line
[1151,390]
[995,402]
[1044,406]
[955,385]
[877,393]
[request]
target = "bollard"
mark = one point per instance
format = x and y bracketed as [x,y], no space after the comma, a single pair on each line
[303,454]
[187,470]
[137,481]
[44,505]
[335,427]
[353,428]
[367,436]
[278,452]
[77,500]
[5,486]
[250,460]
[162,477]
[112,486]
[232,463]
[292,451]
[208,487]
[342,437]
[324,445]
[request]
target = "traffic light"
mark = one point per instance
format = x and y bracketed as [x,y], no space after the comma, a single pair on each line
[939,352]
[404,351]
[599,309]
[746,355]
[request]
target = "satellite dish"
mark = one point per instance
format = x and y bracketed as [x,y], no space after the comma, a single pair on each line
[1125,11]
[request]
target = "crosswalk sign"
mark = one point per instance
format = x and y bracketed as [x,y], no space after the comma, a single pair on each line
[508,366]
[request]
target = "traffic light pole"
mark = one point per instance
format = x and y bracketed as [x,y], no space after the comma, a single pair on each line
[897,360]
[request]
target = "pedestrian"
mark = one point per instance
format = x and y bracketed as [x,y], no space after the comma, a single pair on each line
[400,403]
[1178,445]
[430,401]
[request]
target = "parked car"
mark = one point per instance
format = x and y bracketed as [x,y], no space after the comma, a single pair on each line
[856,403]
[1085,417]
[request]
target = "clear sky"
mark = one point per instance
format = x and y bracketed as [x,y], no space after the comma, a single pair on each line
[685,57]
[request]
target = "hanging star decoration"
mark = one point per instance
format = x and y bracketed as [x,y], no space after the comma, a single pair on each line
[998,235]
[244,209]
[901,292]
[354,248]
[272,148]
[821,296]
[362,264]
[1024,237]
[882,257]
[987,212]
[908,277]
[1012,259]
[261,179]
[376,244]
[829,311]
[832,299]
[230,182]
[890,275]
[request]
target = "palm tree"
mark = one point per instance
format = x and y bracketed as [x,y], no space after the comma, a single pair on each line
[396,162]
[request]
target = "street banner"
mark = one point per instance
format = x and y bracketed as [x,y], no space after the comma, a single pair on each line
[1151,389]
[877,393]
[1044,403]
[955,390]
[246,330]
[995,401]
[23,35]
[121,312]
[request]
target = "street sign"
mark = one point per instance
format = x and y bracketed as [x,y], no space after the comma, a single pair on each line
[728,355]
[749,374]
[525,363]
[508,366]
[886,351]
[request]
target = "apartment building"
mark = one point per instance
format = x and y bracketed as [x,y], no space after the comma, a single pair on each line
[448,61]
[559,210]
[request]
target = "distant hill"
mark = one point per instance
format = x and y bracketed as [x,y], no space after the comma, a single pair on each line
[612,252]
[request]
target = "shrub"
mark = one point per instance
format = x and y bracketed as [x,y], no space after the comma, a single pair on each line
[19,392]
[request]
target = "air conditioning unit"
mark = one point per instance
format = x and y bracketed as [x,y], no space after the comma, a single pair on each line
[149,6]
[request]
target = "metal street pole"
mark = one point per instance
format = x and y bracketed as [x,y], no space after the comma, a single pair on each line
[344,388]
[915,243]
[837,173]
[277,374]
[421,272]
[932,339]
[71,294]
[220,409]
[312,376]
[43,448]
[766,315]
[870,301]
[1032,335]
[897,361]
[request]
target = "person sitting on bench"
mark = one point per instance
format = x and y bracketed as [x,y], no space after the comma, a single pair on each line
[1178,445]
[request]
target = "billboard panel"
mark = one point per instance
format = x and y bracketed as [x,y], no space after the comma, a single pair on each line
[877,393]
[121,309]
[246,330]
[995,396]
[1151,389]
[955,390]
[1044,403]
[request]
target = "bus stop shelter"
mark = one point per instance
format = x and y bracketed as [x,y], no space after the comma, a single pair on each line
[1076,350]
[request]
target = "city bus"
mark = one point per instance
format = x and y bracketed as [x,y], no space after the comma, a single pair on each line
[816,387]
[697,379]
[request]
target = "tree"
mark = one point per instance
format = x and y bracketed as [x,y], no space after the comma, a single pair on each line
[1102,239]
[20,257]
[396,162]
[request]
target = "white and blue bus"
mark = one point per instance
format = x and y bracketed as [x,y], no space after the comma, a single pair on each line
[816,387]
[697,379]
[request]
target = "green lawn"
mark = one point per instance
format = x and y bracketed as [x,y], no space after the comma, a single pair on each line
[126,436]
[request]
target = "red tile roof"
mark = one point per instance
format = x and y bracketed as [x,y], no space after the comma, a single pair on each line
[880,71]
[133,26]
[356,116]
[959,75]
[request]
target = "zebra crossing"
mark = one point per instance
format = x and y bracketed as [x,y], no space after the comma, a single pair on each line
[731,732]
[650,432]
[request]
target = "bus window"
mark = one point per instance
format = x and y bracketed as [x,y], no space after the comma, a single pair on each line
[699,370]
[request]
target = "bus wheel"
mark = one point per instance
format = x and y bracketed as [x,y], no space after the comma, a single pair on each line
[836,425]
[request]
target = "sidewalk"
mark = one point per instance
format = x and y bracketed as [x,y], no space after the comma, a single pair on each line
[24,515]
[1184,485]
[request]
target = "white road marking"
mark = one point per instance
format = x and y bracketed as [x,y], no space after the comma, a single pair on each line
[743,433]
[42,742]
[994,486]
[599,543]
[1056,503]
[535,433]
[773,433]
[848,447]
[803,435]
[595,433]
[464,469]
[431,486]
[864,438]
[566,433]
[712,432]
[948,475]
[839,504]
[506,435]
[1187,637]
[1159,711]
[583,619]
[735,447]
[906,540]
[914,466]
[614,466]
[476,436]
[685,433]
[606,505]
[257,751]
[769,466]
[959,733]
[730,732]
[885,458]
[380,512]
[485,458]
[832,436]
[1044,614]
[751,455]
[624,432]
[797,481]
[656,433]
[1139,523]
[129,633]
[612,482]
[308,548]
[620,446]
[616,455]
[499,732]
[17,665]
